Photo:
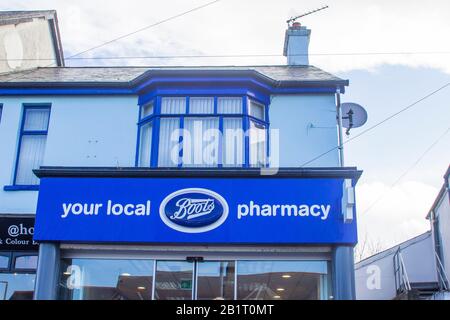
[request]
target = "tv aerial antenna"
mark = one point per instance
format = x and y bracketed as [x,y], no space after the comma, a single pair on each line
[293,19]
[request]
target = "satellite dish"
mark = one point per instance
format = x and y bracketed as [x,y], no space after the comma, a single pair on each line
[353,116]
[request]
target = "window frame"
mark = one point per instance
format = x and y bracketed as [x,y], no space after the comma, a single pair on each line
[245,115]
[23,132]
[12,256]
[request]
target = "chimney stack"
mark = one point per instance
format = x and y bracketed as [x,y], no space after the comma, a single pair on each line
[296,43]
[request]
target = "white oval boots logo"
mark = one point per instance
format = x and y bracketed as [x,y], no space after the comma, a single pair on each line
[193,210]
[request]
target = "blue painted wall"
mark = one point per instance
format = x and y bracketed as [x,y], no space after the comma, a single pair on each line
[102,131]
[307,128]
[83,131]
[92,131]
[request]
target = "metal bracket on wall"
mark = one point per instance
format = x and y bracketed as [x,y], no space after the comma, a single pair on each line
[348,201]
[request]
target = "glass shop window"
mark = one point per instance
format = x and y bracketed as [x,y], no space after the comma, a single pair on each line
[282,280]
[106,279]
[4,261]
[17,279]
[215,280]
[26,262]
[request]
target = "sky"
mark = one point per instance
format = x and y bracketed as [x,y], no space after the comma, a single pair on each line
[383,83]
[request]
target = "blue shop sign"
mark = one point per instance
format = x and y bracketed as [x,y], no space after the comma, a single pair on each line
[192,210]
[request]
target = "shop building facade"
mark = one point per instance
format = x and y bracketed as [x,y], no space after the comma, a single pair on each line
[182,183]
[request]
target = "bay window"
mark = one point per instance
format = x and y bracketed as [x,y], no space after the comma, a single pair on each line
[202,131]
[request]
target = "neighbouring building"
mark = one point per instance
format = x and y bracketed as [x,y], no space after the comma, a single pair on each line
[415,269]
[180,182]
[29,39]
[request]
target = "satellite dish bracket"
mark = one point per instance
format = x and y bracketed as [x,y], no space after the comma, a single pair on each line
[350,121]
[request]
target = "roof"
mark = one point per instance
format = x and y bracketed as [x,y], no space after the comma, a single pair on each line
[392,250]
[280,75]
[17,17]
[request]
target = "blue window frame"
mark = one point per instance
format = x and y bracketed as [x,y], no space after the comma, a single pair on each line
[202,131]
[32,141]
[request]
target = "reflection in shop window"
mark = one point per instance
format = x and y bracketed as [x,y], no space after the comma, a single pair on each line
[4,262]
[106,279]
[174,280]
[215,280]
[26,262]
[282,280]
[16,286]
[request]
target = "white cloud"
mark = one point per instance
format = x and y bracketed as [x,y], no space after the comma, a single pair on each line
[256,27]
[398,215]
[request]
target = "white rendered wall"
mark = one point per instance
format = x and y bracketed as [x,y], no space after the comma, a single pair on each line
[27,41]
[419,260]
[442,213]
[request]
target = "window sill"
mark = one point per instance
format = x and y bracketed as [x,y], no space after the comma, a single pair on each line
[21,188]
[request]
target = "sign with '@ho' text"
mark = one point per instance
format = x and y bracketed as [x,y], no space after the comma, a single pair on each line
[17,234]
[192,210]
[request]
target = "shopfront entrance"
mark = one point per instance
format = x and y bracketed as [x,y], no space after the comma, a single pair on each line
[193,279]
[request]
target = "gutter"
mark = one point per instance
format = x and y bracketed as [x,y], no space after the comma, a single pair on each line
[136,172]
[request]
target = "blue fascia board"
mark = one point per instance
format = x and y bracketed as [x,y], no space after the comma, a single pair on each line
[65,91]
[209,91]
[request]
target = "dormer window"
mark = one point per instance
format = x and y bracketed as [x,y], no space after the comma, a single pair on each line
[202,131]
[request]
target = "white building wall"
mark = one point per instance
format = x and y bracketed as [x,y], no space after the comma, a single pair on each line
[442,213]
[375,277]
[27,41]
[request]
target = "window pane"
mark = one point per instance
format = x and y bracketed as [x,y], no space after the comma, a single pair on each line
[106,279]
[31,156]
[281,280]
[147,109]
[4,261]
[257,145]
[233,142]
[173,280]
[145,145]
[173,105]
[168,151]
[16,286]
[201,142]
[26,262]
[256,110]
[215,280]
[201,105]
[36,119]
[229,105]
